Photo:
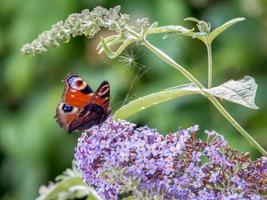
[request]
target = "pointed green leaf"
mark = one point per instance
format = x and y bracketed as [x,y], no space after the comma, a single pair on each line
[154,25]
[223,27]
[155,98]
[111,54]
[62,186]
[200,35]
[108,40]
[110,43]
[242,91]
[192,19]
[68,185]
[170,29]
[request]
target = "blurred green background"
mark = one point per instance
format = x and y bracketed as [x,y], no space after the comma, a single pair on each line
[33,149]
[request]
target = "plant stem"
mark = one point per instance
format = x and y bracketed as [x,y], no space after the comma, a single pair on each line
[214,101]
[236,125]
[171,62]
[167,59]
[209,65]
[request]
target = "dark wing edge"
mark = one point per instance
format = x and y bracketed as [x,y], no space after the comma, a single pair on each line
[91,115]
[103,90]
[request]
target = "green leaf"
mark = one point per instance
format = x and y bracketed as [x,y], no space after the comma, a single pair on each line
[223,27]
[170,29]
[192,19]
[200,35]
[242,91]
[204,29]
[52,191]
[111,54]
[69,185]
[155,98]
[108,40]
[154,25]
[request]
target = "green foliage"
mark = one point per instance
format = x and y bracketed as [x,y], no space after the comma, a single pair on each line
[69,185]
[88,23]
[242,92]
[31,86]
[153,99]
[205,34]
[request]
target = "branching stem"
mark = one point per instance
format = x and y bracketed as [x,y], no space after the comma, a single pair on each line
[213,100]
[250,139]
[171,62]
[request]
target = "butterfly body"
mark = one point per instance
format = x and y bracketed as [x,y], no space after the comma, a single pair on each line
[81,107]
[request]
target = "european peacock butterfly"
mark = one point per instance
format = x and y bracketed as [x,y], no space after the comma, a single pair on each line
[81,108]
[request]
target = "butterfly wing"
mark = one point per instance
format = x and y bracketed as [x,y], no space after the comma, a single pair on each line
[65,115]
[95,111]
[77,93]
[103,94]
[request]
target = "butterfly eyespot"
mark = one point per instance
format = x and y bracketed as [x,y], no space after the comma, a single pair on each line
[79,83]
[80,107]
[76,83]
[66,108]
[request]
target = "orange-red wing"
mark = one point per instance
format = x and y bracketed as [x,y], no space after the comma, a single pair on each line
[76,98]
[95,111]
[80,107]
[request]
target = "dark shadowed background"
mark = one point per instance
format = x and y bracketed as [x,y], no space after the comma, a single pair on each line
[34,150]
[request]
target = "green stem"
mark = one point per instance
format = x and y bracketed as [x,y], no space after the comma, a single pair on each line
[221,109]
[236,125]
[209,65]
[166,58]
[171,62]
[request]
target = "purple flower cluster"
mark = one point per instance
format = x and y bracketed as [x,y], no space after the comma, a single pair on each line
[178,166]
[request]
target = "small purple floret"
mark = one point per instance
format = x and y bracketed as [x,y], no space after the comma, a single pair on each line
[177,166]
